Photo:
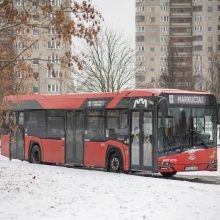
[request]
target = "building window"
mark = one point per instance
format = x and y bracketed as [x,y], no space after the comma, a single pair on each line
[19,45]
[54,59]
[36,32]
[51,73]
[52,31]
[36,46]
[140,18]
[53,88]
[152,20]
[55,2]
[53,45]
[19,74]
[210,49]
[140,29]
[209,28]
[19,2]
[139,38]
[152,9]
[140,8]
[36,17]
[152,59]
[163,49]
[210,9]
[140,58]
[164,18]
[35,61]
[152,49]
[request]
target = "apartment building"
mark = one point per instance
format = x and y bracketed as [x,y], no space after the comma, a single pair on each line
[45,53]
[183,34]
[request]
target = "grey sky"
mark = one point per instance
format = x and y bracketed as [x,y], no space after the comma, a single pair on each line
[119,14]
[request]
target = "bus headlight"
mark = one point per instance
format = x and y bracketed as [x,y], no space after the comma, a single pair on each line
[166,164]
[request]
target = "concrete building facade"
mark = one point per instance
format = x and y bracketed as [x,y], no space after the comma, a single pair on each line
[45,55]
[187,30]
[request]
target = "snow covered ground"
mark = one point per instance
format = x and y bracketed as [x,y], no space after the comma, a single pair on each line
[30,191]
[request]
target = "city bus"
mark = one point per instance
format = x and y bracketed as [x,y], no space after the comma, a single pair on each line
[152,130]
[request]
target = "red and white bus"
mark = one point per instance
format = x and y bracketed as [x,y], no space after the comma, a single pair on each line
[156,130]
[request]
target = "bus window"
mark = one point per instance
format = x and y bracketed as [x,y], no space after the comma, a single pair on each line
[55,127]
[117,123]
[95,125]
[56,124]
[36,123]
[21,118]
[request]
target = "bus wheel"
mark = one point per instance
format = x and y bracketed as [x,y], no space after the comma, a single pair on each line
[35,156]
[115,164]
[170,174]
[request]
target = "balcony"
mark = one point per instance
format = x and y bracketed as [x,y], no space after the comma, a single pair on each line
[180,5]
[173,34]
[181,45]
[181,15]
[175,24]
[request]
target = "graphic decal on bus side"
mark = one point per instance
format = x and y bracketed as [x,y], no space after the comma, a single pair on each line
[140,101]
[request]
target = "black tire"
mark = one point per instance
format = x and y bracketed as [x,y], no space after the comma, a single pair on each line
[115,163]
[35,156]
[170,174]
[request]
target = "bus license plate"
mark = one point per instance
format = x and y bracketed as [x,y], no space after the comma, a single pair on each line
[191,168]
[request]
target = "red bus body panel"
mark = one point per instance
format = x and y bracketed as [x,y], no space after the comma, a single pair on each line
[199,158]
[95,153]
[5,139]
[52,151]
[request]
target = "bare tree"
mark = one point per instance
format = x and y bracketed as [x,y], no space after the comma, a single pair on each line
[109,66]
[78,19]
[213,80]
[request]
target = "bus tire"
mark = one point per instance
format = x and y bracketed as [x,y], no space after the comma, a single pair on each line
[169,174]
[35,155]
[115,163]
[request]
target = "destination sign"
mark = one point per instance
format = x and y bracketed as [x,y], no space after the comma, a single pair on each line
[96,103]
[188,99]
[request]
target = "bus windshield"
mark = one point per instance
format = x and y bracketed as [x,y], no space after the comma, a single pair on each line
[187,128]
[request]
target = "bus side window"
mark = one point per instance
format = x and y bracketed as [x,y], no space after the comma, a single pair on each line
[95,125]
[56,124]
[36,123]
[117,123]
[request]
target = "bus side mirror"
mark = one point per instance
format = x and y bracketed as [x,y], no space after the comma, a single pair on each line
[163,105]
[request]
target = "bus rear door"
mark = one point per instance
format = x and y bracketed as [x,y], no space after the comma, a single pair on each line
[74,138]
[17,136]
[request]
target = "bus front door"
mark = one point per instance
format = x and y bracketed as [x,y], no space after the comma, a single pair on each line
[74,138]
[141,140]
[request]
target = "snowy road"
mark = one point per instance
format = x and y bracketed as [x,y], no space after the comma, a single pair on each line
[29,191]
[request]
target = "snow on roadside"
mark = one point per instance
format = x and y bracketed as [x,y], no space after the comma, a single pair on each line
[30,191]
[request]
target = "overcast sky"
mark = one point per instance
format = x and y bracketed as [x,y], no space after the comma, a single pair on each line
[119,14]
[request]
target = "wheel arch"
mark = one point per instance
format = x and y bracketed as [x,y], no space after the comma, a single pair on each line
[111,150]
[33,143]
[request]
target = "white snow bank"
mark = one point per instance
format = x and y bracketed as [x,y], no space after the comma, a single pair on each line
[29,191]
